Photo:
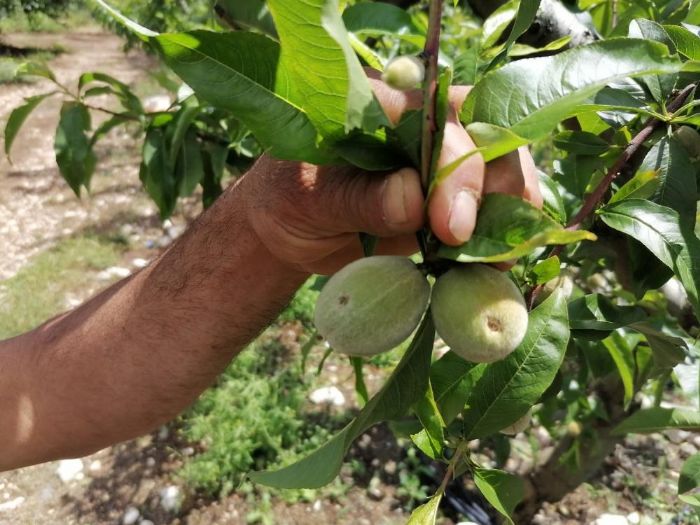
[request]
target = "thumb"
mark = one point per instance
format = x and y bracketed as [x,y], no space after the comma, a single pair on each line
[384,206]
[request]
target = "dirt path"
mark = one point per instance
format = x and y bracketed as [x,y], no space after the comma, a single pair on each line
[36,206]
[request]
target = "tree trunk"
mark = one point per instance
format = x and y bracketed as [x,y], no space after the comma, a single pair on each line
[552,480]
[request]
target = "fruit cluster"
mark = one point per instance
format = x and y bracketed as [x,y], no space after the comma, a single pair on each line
[375,303]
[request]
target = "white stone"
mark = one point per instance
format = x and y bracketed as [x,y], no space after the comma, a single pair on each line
[327,394]
[70,469]
[170,498]
[115,272]
[156,103]
[634,518]
[163,433]
[72,301]
[317,505]
[146,522]
[140,262]
[611,519]
[95,466]
[12,504]
[175,231]
[131,516]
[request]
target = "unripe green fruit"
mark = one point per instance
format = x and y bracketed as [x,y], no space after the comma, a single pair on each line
[519,426]
[574,429]
[372,305]
[690,139]
[404,72]
[479,313]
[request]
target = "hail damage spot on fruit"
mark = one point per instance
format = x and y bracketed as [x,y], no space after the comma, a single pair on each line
[372,305]
[494,324]
[479,312]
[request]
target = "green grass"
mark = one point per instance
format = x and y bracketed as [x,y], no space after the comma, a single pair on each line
[38,291]
[256,416]
[20,22]
[8,65]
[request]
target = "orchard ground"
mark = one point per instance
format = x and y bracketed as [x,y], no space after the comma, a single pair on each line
[58,251]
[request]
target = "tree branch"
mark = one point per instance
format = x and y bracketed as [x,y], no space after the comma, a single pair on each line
[430,55]
[593,200]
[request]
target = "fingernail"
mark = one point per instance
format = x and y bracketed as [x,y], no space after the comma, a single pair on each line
[462,215]
[394,199]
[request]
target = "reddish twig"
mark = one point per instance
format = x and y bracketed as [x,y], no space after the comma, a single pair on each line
[430,55]
[593,200]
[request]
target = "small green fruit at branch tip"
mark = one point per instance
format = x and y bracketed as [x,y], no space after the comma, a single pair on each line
[574,429]
[404,72]
[690,139]
[372,305]
[519,426]
[479,313]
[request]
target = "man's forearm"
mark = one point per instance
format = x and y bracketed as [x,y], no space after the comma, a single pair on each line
[139,353]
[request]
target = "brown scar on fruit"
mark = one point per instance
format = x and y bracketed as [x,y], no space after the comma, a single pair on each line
[344,299]
[494,324]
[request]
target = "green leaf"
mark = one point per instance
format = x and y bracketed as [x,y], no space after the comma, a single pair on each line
[107,126]
[690,475]
[668,349]
[426,514]
[509,388]
[74,155]
[35,69]
[360,386]
[677,181]
[551,194]
[497,22]
[130,101]
[622,355]
[527,10]
[240,72]
[429,415]
[383,19]
[660,86]
[182,121]
[246,14]
[325,76]
[406,385]
[508,228]
[19,116]
[142,32]
[546,270]
[581,143]
[642,186]
[686,42]
[532,96]
[596,312]
[452,378]
[156,173]
[466,67]
[494,141]
[658,229]
[189,167]
[502,490]
[657,419]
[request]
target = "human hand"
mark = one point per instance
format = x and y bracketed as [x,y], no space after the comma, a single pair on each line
[309,216]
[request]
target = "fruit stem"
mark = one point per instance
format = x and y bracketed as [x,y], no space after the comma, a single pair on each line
[459,452]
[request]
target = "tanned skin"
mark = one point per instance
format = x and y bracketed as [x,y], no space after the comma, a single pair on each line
[142,351]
